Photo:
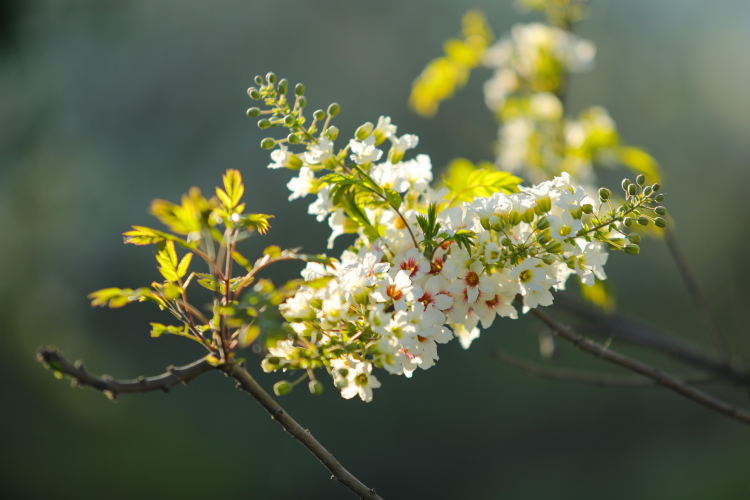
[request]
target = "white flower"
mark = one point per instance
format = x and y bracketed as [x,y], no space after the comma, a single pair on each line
[322,206]
[303,184]
[397,288]
[320,152]
[280,157]
[364,151]
[359,379]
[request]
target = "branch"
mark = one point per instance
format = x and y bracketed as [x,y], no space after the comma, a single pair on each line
[54,360]
[695,292]
[635,332]
[247,383]
[658,376]
[579,376]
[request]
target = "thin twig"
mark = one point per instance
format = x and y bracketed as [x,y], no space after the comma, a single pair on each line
[620,327]
[247,383]
[580,376]
[54,359]
[696,294]
[658,376]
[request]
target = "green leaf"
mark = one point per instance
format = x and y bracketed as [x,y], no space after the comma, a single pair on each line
[466,182]
[252,222]
[157,330]
[233,190]
[394,199]
[184,264]
[167,259]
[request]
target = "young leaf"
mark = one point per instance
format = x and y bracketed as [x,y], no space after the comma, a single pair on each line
[233,190]
[394,199]
[466,182]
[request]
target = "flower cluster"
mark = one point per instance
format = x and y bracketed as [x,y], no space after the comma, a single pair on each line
[423,267]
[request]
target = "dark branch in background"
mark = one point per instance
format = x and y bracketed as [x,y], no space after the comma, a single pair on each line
[580,376]
[174,375]
[247,383]
[655,374]
[620,327]
[53,359]
[696,294]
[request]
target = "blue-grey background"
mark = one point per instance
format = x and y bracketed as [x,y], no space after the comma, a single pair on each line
[107,105]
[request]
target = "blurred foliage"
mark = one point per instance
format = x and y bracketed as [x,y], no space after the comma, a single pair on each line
[107,106]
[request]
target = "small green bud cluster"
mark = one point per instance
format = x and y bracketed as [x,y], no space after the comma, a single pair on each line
[282,110]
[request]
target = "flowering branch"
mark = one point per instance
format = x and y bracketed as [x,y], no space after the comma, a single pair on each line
[669,381]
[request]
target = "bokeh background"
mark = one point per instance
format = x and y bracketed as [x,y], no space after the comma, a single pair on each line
[107,105]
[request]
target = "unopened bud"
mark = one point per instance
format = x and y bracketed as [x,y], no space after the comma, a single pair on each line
[659,198]
[289,120]
[282,387]
[264,123]
[634,238]
[656,187]
[364,131]
[660,222]
[299,89]
[632,249]
[514,217]
[528,216]
[661,210]
[302,101]
[319,115]
[332,132]
[604,194]
[625,183]
[643,221]
[258,79]
[293,138]
[333,109]
[542,223]
[587,208]
[632,189]
[271,77]
[251,112]
[253,93]
[640,180]
[647,191]
[315,388]
[283,84]
[267,143]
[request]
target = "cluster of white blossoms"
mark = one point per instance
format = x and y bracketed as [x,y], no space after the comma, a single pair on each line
[388,302]
[425,265]
[533,58]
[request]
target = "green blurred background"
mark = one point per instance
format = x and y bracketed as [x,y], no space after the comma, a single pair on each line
[107,105]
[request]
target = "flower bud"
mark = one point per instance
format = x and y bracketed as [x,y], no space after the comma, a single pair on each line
[302,101]
[660,222]
[282,387]
[267,143]
[656,187]
[319,115]
[514,217]
[332,132]
[632,189]
[294,162]
[542,223]
[634,238]
[625,183]
[640,180]
[628,221]
[293,138]
[315,388]
[659,198]
[604,194]
[333,109]
[643,221]
[647,191]
[364,131]
[253,93]
[660,210]
[587,208]
[632,249]
[528,216]
[258,79]
[283,84]
[271,77]
[264,123]
[251,112]
[289,120]
[299,89]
